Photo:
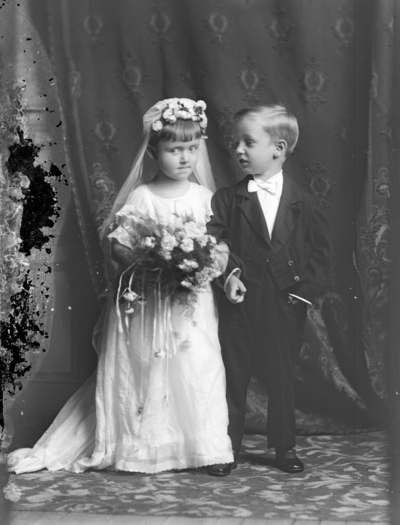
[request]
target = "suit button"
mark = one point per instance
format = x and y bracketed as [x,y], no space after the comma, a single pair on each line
[290,263]
[296,278]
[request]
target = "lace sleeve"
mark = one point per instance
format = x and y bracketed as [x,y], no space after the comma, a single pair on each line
[122,236]
[207,195]
[208,210]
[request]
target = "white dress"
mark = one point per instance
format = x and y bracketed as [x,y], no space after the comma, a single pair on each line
[138,412]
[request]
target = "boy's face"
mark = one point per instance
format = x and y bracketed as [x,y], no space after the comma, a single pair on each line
[256,152]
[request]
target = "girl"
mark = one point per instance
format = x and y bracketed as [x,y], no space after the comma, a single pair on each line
[157,399]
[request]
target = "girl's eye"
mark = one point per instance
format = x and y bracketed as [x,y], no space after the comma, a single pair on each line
[193,148]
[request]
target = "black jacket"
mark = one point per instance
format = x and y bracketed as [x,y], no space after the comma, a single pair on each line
[300,253]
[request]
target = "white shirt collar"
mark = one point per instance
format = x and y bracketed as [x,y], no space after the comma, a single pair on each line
[278,177]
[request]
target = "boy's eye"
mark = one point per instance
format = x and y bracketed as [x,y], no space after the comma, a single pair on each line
[249,142]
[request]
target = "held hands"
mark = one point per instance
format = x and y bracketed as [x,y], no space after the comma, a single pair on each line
[222,252]
[235,290]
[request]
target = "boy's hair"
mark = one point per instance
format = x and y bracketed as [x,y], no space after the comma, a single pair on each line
[180,131]
[277,122]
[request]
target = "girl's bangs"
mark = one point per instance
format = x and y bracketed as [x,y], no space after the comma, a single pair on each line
[180,131]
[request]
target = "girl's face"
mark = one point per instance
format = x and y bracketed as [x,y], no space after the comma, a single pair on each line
[177,160]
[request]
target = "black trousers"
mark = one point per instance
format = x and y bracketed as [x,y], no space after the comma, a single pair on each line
[262,336]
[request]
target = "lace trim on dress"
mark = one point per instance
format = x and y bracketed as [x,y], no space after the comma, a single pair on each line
[122,236]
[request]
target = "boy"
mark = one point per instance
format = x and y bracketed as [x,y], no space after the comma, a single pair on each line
[280,255]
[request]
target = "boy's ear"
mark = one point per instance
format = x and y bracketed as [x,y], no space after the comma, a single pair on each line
[280,148]
[151,152]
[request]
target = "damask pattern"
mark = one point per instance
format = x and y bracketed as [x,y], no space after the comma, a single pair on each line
[104,193]
[250,81]
[345,478]
[134,77]
[106,132]
[159,23]
[343,28]
[281,30]
[320,184]
[314,83]
[233,54]
[375,246]
[93,25]
[217,23]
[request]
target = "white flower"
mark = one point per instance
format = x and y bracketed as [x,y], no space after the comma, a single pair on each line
[192,230]
[179,113]
[202,240]
[168,242]
[173,103]
[187,245]
[169,115]
[186,284]
[186,102]
[182,108]
[157,125]
[149,242]
[188,265]
[12,492]
[203,121]
[166,255]
[130,296]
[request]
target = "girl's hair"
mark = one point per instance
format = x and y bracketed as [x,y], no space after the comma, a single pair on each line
[183,129]
[179,131]
[277,121]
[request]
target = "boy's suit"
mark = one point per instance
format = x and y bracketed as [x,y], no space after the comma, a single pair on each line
[263,334]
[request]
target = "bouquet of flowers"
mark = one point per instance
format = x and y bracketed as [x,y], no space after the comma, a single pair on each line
[175,263]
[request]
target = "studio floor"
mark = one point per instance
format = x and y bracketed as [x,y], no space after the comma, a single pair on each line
[345,481]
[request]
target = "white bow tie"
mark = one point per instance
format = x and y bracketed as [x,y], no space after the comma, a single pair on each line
[257,185]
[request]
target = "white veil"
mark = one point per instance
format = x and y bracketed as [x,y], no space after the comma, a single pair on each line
[203,171]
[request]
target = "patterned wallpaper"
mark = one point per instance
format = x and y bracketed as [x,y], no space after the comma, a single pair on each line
[113,60]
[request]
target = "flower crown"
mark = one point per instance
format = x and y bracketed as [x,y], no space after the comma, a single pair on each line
[183,108]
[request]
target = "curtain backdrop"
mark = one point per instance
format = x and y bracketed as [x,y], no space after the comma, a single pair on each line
[331,63]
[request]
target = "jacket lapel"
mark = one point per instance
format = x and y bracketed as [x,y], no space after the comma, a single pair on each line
[250,206]
[287,215]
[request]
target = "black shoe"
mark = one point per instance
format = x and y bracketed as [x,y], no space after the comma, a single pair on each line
[288,461]
[223,469]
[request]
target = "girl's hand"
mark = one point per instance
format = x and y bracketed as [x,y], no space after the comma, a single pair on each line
[235,290]
[122,255]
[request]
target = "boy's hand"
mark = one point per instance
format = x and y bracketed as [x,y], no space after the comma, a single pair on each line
[292,300]
[235,290]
